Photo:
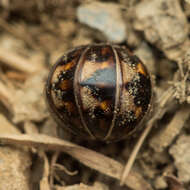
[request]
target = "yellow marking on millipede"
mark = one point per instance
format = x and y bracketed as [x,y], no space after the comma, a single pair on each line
[67,66]
[138,112]
[105,105]
[105,65]
[141,69]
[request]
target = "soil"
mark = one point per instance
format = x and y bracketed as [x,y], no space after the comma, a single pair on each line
[35,153]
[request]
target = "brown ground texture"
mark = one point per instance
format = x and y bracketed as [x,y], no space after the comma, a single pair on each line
[33,154]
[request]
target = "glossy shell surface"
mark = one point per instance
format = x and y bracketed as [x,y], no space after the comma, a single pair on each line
[99,91]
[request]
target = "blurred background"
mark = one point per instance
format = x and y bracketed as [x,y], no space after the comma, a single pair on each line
[35,33]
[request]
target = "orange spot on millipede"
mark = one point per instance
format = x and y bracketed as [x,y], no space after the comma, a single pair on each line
[140,69]
[138,112]
[65,84]
[67,66]
[69,107]
[105,105]
[105,65]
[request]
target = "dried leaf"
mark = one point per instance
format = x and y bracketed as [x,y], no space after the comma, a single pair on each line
[88,157]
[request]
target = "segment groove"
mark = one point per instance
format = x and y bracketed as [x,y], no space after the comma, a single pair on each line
[117,93]
[77,94]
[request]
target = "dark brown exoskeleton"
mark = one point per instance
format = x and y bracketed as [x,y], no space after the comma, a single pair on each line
[99,91]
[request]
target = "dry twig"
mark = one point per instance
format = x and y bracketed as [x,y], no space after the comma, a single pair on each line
[17,62]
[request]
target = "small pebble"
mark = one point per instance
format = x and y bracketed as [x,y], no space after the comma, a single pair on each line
[160,183]
[105,17]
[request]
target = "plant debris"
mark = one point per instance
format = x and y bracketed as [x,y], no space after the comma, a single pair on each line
[180,152]
[35,153]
